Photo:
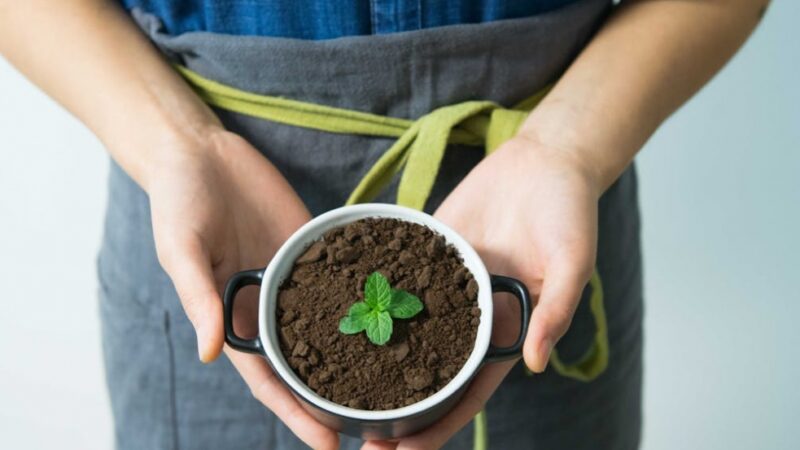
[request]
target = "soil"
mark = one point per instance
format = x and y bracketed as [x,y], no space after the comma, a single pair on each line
[424,352]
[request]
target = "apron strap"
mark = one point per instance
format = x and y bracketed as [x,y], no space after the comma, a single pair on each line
[419,149]
[595,360]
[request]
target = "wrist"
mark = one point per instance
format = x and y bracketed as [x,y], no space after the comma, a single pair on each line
[569,160]
[163,147]
[600,148]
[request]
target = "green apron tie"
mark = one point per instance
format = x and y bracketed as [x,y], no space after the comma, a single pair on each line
[419,149]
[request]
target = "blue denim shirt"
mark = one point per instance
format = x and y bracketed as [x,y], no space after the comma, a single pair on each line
[326,19]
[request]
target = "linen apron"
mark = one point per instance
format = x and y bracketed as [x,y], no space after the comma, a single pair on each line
[164,398]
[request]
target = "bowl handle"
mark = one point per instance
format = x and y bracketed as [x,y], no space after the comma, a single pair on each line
[236,282]
[518,289]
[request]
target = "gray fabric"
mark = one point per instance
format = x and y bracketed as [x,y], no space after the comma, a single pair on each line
[163,398]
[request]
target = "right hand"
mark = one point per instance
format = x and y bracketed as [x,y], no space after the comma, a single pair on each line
[218,206]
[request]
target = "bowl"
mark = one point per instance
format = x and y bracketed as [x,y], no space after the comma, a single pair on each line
[385,424]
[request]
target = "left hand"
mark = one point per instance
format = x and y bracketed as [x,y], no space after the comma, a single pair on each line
[531,213]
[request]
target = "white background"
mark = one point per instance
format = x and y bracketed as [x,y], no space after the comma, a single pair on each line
[720,194]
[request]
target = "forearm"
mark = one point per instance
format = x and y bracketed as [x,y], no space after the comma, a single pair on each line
[649,58]
[90,57]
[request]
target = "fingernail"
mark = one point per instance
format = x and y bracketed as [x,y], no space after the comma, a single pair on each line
[202,344]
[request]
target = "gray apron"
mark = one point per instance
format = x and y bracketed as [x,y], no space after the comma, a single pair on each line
[163,398]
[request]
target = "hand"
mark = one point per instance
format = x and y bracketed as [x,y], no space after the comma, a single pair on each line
[219,207]
[531,213]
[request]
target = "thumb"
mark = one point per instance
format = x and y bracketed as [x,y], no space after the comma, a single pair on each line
[188,265]
[561,291]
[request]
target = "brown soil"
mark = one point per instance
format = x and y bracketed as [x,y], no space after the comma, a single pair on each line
[424,353]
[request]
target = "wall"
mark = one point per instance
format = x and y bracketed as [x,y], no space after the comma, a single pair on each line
[721,205]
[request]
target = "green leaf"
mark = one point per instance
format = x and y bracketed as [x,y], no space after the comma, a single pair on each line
[377,292]
[358,309]
[404,305]
[379,327]
[348,325]
[375,313]
[355,320]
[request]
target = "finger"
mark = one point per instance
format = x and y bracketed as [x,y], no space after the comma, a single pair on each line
[561,291]
[379,445]
[189,267]
[267,389]
[470,404]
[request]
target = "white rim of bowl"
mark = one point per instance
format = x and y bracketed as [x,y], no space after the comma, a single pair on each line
[313,230]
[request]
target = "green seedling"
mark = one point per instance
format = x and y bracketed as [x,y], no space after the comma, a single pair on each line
[381,304]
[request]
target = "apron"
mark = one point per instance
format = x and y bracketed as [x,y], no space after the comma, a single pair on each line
[162,397]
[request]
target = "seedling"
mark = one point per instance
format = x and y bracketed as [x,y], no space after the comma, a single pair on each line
[381,304]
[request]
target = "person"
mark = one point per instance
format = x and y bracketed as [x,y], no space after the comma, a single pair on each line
[198,192]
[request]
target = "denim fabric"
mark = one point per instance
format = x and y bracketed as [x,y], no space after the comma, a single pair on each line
[322,19]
